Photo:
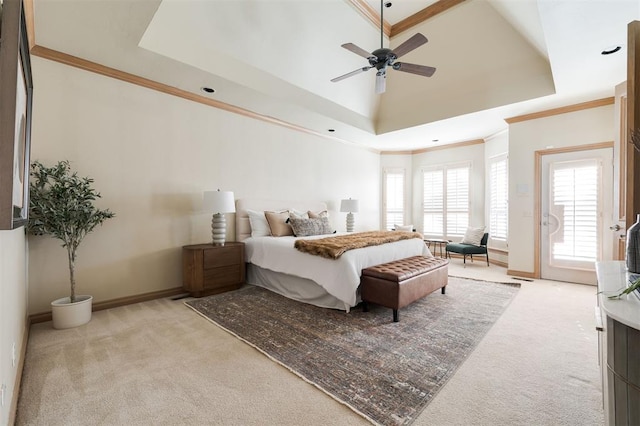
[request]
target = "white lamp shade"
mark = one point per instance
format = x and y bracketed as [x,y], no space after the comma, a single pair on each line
[349,206]
[219,202]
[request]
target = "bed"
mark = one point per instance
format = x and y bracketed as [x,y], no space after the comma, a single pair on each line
[273,262]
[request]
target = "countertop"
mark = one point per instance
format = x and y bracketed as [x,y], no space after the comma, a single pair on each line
[612,278]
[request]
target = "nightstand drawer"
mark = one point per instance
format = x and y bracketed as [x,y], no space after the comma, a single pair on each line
[225,275]
[223,256]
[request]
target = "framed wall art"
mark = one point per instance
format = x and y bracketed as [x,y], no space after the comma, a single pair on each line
[16,94]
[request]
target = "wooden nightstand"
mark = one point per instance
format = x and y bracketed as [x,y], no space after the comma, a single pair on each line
[209,269]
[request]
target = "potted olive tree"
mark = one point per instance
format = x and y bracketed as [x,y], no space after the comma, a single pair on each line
[62,205]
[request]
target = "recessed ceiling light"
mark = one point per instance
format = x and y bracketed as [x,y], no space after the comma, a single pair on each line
[207,89]
[434,140]
[331,130]
[611,49]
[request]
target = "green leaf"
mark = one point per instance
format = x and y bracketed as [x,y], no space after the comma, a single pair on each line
[633,287]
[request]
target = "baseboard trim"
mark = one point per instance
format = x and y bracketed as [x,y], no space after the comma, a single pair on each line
[114,303]
[498,251]
[498,263]
[522,274]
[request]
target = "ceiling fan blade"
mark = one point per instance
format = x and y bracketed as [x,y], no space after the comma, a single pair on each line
[422,70]
[415,41]
[381,82]
[349,74]
[357,50]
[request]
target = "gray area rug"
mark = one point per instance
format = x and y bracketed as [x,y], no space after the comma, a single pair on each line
[385,371]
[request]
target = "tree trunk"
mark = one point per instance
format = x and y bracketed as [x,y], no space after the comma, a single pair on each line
[72,272]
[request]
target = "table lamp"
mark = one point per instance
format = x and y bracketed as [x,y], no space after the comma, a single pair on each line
[218,202]
[349,206]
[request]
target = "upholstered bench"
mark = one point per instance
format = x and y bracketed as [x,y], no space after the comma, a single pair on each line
[396,284]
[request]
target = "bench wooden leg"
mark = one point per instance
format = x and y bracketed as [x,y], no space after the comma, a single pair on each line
[395,315]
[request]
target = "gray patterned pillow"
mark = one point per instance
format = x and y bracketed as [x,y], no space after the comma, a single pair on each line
[307,227]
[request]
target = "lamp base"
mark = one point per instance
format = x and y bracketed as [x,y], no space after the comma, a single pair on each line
[350,222]
[218,229]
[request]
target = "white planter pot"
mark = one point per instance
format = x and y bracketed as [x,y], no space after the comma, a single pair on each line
[67,315]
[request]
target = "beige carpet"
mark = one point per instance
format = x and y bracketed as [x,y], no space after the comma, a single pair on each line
[158,363]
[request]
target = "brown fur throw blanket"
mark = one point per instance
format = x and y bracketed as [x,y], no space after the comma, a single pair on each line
[334,247]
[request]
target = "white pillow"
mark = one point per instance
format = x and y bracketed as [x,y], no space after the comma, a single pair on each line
[473,236]
[298,214]
[315,215]
[406,228]
[259,224]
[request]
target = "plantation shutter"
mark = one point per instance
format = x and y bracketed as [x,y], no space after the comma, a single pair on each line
[433,202]
[394,198]
[457,212]
[498,199]
[574,203]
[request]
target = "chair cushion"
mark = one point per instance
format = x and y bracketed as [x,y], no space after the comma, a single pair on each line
[466,248]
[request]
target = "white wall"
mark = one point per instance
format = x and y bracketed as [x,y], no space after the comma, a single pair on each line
[473,154]
[151,156]
[13,310]
[571,129]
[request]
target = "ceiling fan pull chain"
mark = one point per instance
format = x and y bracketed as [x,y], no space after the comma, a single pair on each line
[381,24]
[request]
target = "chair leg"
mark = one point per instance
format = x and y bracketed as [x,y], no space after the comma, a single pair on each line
[487,257]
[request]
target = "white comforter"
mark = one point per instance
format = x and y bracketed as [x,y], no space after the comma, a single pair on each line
[339,277]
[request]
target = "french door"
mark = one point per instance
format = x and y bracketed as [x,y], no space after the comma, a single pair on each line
[576,207]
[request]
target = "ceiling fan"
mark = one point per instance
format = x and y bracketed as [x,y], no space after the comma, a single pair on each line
[382,58]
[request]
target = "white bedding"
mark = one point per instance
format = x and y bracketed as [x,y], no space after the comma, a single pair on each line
[339,277]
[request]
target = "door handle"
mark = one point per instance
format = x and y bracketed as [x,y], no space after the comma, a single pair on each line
[615,227]
[554,217]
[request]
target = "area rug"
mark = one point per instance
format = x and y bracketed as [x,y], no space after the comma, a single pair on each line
[387,372]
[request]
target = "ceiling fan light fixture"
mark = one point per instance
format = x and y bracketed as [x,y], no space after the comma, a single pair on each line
[381,82]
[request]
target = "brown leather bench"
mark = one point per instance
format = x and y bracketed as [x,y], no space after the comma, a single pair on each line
[396,284]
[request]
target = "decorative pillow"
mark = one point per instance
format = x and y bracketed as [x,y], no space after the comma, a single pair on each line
[473,236]
[312,226]
[278,223]
[259,224]
[407,228]
[313,215]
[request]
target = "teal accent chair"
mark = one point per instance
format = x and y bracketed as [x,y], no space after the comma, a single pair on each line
[469,249]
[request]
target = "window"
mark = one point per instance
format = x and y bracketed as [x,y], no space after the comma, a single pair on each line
[498,198]
[446,200]
[433,204]
[393,198]
[575,205]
